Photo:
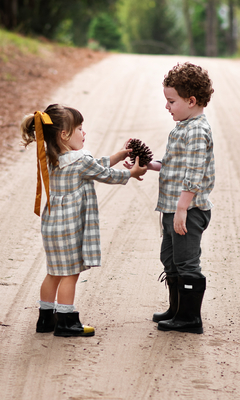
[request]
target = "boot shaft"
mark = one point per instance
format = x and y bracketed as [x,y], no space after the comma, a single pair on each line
[46,321]
[190,296]
[172,283]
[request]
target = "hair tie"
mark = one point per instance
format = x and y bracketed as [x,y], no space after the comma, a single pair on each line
[39,118]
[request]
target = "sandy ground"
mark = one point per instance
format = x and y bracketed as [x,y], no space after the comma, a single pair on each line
[26,79]
[128,358]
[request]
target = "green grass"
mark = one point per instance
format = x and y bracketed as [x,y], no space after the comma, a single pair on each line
[9,77]
[22,43]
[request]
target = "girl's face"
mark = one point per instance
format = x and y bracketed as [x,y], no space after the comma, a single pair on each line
[176,105]
[76,140]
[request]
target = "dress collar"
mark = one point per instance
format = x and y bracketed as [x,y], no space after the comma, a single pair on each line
[71,156]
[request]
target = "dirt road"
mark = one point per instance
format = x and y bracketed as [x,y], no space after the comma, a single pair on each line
[128,358]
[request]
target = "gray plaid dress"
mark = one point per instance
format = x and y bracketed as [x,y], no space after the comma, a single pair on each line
[71,236]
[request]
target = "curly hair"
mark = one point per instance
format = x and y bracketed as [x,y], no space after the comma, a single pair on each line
[190,80]
[63,118]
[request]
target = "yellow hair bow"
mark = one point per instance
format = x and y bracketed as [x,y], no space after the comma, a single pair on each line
[39,118]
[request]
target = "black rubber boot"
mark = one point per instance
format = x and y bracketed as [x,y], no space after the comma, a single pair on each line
[46,321]
[68,324]
[188,316]
[172,283]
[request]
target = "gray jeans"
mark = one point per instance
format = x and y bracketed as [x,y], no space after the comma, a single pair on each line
[180,254]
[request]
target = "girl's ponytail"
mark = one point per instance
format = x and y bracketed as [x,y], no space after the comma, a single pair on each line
[28,130]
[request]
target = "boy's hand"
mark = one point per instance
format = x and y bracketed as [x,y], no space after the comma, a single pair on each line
[180,217]
[179,221]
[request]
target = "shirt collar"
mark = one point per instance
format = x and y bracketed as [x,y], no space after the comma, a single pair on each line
[186,121]
[71,156]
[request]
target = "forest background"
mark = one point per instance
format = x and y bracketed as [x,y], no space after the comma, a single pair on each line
[184,27]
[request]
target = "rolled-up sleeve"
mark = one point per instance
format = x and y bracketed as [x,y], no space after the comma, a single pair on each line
[196,157]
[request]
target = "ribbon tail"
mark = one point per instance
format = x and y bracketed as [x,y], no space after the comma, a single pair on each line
[45,178]
[41,165]
[38,191]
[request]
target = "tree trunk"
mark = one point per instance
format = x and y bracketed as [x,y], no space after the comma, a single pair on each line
[189,27]
[9,10]
[211,29]
[232,36]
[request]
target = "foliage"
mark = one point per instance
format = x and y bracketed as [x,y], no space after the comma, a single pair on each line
[140,26]
[104,30]
[64,32]
[49,17]
[198,20]
[149,26]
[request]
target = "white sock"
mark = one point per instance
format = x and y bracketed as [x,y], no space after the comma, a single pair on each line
[65,308]
[45,305]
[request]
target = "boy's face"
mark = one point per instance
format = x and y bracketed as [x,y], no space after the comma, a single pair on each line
[176,105]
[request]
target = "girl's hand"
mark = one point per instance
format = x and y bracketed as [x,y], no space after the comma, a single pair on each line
[120,155]
[128,165]
[137,171]
[123,153]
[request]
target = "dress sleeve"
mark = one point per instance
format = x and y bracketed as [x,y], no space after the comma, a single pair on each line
[100,170]
[104,161]
[197,145]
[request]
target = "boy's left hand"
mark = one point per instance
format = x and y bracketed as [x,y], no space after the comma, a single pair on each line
[179,221]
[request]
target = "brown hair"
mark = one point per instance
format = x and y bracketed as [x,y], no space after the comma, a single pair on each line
[63,118]
[190,80]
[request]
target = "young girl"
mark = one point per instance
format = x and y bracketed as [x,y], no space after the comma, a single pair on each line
[69,225]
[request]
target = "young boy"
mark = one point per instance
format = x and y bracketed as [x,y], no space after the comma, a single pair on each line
[185,180]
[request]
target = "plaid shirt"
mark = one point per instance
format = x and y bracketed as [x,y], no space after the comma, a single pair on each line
[71,236]
[188,165]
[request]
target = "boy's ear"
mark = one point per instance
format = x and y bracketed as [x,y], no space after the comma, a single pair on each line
[192,101]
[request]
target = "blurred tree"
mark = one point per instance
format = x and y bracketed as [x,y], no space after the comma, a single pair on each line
[211,28]
[150,26]
[199,27]
[104,30]
[232,31]
[187,15]
[47,17]
[198,17]
[9,12]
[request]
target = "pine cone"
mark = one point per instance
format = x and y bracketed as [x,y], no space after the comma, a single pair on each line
[141,150]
